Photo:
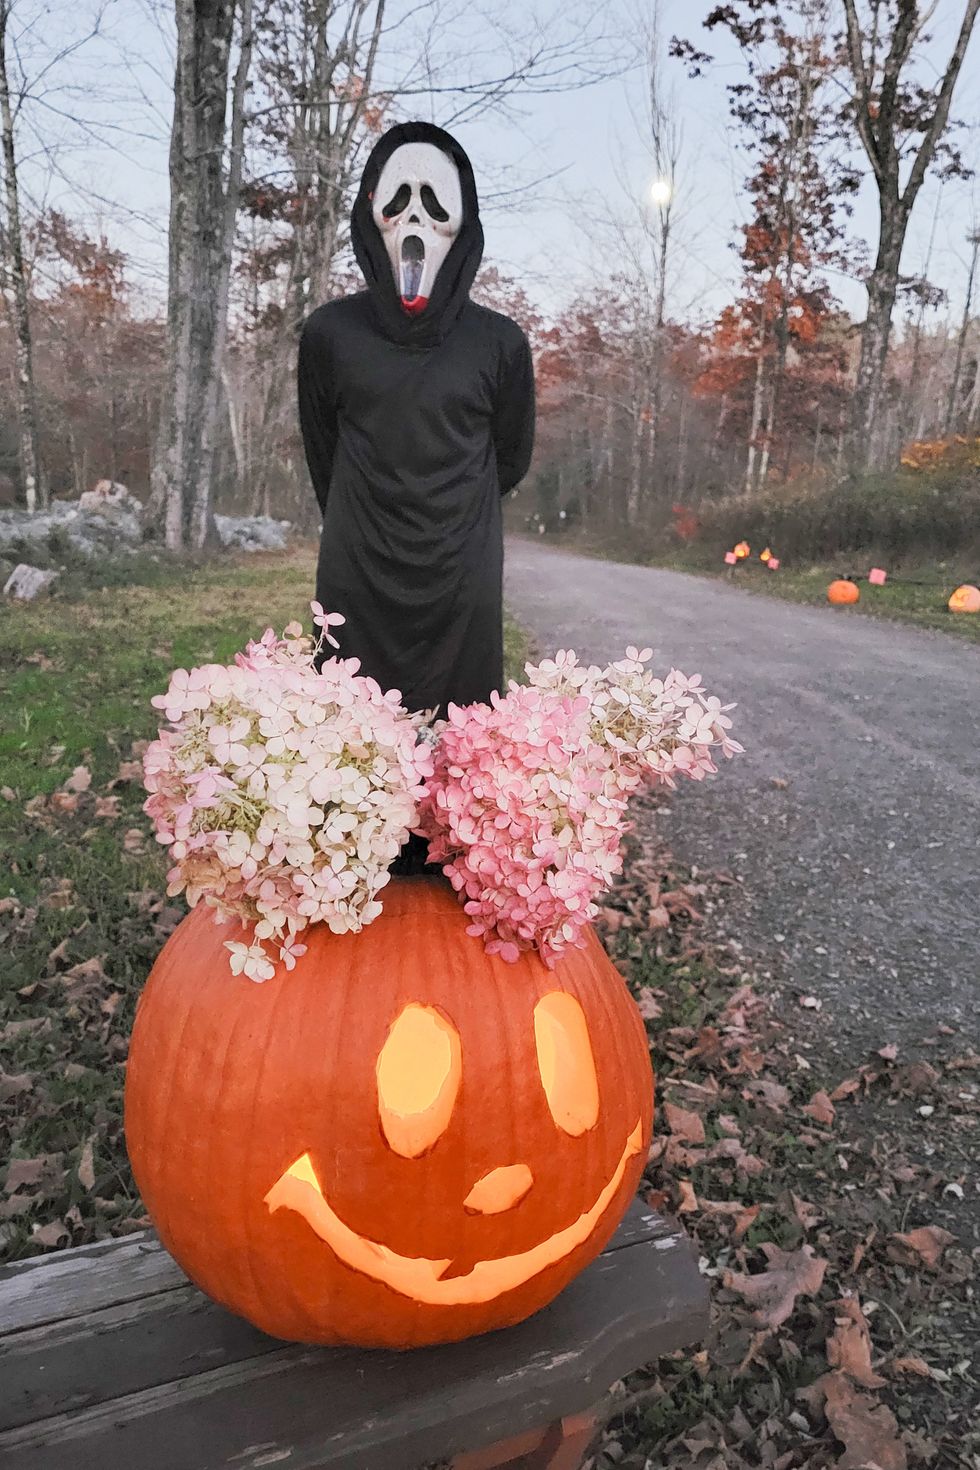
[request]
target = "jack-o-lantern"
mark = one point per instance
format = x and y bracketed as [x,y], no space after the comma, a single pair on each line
[404,1140]
[965,599]
[842,592]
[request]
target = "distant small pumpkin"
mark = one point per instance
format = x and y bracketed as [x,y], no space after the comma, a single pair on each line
[965,599]
[842,592]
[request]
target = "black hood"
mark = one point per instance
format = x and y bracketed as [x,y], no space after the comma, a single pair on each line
[451,290]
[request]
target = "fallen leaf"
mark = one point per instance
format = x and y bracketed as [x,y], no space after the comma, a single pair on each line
[927,1244]
[820,1109]
[773,1292]
[845,1089]
[745,1220]
[648,1005]
[734,1150]
[12,1086]
[86,1164]
[63,801]
[889,1053]
[21,1172]
[107,807]
[688,1199]
[51,1235]
[133,840]
[918,1366]
[79,780]
[685,1125]
[773,1094]
[85,975]
[867,1430]
[808,1215]
[849,1345]
[810,1003]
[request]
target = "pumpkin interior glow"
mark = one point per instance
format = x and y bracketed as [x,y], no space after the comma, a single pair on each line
[419,1072]
[419,1277]
[565,1062]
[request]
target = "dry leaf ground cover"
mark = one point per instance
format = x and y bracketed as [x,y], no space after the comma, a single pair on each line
[829,1204]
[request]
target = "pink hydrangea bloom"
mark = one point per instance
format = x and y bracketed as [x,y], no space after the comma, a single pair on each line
[527,802]
[282,793]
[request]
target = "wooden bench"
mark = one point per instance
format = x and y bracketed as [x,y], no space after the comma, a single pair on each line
[111,1360]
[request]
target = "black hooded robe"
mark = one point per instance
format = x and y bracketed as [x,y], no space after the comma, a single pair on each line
[414,426]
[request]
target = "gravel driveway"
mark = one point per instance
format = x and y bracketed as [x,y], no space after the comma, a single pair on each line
[861,880]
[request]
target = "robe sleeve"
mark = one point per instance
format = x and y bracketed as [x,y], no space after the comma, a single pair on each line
[513,419]
[317,408]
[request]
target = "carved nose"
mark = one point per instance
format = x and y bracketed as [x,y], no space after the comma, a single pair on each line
[499,1190]
[413,219]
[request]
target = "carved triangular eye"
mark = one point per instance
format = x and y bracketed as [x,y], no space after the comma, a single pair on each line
[566,1063]
[419,1072]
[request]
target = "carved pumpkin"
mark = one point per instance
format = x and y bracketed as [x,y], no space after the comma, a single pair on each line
[402,1141]
[841,593]
[965,599]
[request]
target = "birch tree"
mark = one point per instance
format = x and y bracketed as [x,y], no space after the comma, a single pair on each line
[203,211]
[896,119]
[13,277]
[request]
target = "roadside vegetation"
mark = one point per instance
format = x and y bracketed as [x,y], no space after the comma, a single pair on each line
[920,524]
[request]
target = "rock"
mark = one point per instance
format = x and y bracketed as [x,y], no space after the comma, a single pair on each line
[109,495]
[115,528]
[26,581]
[253,533]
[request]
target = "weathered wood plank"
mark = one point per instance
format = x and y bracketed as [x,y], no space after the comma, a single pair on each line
[314,1409]
[76,1361]
[72,1283]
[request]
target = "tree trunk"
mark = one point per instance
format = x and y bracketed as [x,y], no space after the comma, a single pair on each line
[14,276]
[954,387]
[219,270]
[196,304]
[882,287]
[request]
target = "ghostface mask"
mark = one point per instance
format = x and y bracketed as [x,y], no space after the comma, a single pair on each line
[418,208]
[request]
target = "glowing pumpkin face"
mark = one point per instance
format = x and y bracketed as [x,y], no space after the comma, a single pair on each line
[403,1141]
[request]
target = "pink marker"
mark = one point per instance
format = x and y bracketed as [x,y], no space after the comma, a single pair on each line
[876,577]
[773,564]
[730,558]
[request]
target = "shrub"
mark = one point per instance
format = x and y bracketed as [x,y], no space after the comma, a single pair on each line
[900,516]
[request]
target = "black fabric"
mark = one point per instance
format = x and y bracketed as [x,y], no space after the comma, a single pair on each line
[413,428]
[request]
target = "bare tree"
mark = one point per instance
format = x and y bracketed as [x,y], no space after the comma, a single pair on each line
[203,211]
[13,278]
[952,402]
[889,109]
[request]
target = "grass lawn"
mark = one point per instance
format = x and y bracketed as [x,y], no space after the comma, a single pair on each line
[83,909]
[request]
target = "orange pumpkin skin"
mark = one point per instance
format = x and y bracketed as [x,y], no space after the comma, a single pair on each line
[965,599]
[841,593]
[230,1082]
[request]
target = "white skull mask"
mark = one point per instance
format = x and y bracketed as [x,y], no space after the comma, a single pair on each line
[418,208]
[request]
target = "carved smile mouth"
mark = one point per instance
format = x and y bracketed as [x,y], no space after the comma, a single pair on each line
[418,1277]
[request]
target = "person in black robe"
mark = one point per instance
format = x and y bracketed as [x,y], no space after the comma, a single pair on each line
[417,416]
